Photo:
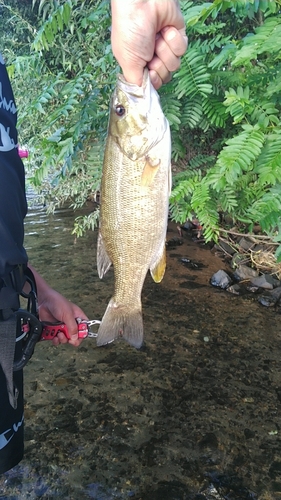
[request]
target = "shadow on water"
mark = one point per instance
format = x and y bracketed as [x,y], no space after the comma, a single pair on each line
[193,415]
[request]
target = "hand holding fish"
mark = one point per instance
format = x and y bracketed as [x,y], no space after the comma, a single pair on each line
[148,33]
[54,307]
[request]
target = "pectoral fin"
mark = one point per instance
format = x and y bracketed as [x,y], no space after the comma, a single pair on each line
[103,261]
[150,170]
[158,268]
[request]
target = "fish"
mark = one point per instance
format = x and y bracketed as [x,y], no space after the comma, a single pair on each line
[134,202]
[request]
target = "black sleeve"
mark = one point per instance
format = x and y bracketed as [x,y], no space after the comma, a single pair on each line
[12,182]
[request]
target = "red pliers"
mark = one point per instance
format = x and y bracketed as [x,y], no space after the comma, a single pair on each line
[31,330]
[50,330]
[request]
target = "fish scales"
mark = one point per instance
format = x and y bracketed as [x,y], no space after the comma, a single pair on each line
[134,205]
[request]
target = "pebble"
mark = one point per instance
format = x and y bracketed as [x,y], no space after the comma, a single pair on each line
[271,298]
[235,289]
[221,279]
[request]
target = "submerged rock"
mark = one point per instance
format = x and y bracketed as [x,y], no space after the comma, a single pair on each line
[271,298]
[235,289]
[174,242]
[221,279]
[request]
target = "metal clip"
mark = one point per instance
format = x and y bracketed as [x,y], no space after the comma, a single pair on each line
[91,323]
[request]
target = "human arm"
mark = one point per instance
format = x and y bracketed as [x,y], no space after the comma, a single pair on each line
[148,33]
[54,307]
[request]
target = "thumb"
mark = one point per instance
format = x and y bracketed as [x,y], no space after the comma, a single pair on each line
[133,73]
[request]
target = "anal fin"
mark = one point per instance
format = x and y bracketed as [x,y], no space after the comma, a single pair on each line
[158,268]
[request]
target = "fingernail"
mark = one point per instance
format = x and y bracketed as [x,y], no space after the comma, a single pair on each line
[171,35]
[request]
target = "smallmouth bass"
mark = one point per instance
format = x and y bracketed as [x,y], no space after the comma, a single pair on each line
[135,189]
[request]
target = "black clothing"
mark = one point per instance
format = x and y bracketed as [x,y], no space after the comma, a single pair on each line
[12,212]
[12,185]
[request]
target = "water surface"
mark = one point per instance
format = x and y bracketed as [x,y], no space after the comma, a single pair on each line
[193,415]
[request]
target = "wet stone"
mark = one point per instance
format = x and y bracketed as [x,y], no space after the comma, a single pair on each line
[270,298]
[252,289]
[221,279]
[222,245]
[244,272]
[245,243]
[192,264]
[236,289]
[265,281]
[249,434]
[174,242]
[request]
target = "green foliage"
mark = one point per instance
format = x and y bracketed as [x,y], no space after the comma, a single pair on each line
[68,72]
[223,105]
[229,86]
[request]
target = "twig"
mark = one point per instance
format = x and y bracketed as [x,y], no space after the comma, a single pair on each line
[250,235]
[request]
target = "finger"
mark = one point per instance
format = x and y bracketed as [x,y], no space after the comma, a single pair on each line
[175,39]
[133,74]
[155,79]
[165,54]
[60,338]
[76,342]
[158,72]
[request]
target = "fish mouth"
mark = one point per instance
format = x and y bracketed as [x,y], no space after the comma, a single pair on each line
[146,92]
[133,88]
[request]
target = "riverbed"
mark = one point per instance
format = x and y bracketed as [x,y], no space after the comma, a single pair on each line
[193,415]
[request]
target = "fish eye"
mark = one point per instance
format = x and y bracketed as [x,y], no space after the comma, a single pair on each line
[120,110]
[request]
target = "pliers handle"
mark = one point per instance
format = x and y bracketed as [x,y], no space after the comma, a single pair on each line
[50,330]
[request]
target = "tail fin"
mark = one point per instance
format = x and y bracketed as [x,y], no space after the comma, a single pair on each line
[121,322]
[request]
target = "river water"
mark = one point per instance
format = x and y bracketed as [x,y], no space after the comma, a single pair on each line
[193,415]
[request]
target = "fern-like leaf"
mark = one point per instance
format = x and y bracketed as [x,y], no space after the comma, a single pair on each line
[268,166]
[237,156]
[193,77]
[266,39]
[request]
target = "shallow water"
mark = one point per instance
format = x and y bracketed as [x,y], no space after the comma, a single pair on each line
[194,415]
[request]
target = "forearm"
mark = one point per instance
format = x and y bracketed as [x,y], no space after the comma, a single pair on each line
[43,289]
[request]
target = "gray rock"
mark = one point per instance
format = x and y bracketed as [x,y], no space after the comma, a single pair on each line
[245,273]
[245,243]
[222,245]
[265,281]
[221,279]
[188,225]
[252,288]
[270,298]
[235,289]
